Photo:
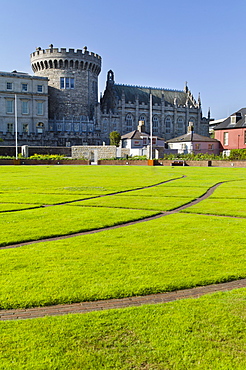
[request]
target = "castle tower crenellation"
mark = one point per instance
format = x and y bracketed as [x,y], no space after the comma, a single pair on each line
[73,76]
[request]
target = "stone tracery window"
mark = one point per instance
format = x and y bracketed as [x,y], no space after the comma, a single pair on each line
[168,124]
[155,124]
[180,125]
[129,121]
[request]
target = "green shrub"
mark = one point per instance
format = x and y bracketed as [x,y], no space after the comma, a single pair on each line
[237,154]
[53,157]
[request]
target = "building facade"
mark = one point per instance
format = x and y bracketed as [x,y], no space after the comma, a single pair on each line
[23,98]
[123,106]
[231,132]
[61,104]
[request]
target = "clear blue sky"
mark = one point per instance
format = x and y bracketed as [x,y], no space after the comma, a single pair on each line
[158,43]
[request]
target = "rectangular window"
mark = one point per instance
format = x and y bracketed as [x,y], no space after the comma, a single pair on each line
[40,108]
[24,107]
[24,87]
[244,137]
[9,106]
[225,138]
[25,128]
[210,146]
[67,83]
[197,146]
[62,83]
[40,88]
[9,86]
[10,127]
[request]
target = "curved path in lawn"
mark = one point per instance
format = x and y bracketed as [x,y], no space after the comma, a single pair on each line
[160,214]
[84,307]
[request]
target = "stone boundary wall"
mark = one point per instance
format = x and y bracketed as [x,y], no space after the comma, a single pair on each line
[99,151]
[125,162]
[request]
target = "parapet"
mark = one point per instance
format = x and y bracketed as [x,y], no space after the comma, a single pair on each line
[63,52]
[54,58]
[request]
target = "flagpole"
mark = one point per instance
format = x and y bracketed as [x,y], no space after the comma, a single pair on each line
[16,127]
[151,128]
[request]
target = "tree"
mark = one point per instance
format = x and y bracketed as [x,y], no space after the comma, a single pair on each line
[114,138]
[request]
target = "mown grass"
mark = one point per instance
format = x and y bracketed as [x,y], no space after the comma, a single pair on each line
[206,333]
[157,203]
[35,224]
[173,252]
[224,207]
[79,179]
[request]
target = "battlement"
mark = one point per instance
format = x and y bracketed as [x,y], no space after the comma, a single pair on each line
[63,52]
[54,58]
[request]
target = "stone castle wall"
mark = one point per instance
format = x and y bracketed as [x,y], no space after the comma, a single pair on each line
[79,71]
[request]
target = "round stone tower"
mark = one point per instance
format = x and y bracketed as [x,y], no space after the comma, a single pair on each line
[73,80]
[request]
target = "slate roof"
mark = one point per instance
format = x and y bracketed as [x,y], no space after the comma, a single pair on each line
[137,135]
[240,121]
[143,94]
[190,137]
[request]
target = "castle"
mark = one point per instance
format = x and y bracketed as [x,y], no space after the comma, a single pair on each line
[58,105]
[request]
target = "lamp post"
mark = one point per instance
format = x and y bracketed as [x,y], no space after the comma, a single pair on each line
[151,126]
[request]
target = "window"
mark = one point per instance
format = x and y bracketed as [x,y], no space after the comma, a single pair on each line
[197,146]
[25,128]
[155,124]
[9,106]
[244,137]
[67,83]
[225,138]
[168,122]
[24,87]
[142,118]
[210,146]
[10,127]
[40,108]
[129,121]
[180,124]
[24,107]
[40,88]
[40,126]
[9,86]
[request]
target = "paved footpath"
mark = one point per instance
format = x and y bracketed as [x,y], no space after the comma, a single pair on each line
[85,307]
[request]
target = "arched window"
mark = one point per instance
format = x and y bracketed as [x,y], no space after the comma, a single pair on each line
[77,64]
[129,121]
[142,117]
[60,63]
[46,64]
[66,64]
[55,64]
[71,63]
[155,124]
[42,65]
[168,124]
[50,64]
[180,124]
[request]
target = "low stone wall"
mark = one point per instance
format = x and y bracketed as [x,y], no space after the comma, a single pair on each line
[35,162]
[98,152]
[125,162]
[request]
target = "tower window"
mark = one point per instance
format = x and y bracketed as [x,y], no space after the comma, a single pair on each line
[67,83]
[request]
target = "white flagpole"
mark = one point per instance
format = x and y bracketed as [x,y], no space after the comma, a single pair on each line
[151,128]
[16,127]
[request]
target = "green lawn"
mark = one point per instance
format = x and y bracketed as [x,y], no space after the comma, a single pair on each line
[178,251]
[39,223]
[208,333]
[169,253]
